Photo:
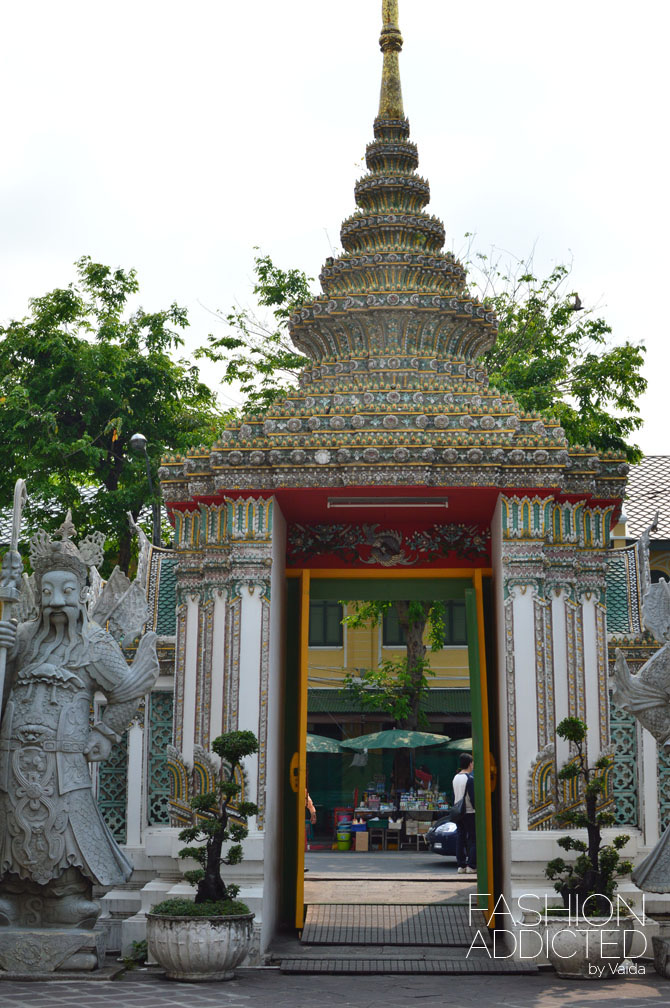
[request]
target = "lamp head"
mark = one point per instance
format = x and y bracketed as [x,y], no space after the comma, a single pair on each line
[138,443]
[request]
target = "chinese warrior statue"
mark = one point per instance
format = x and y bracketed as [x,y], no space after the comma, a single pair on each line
[647,696]
[54,843]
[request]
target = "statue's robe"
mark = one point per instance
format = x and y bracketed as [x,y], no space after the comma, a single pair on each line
[49,818]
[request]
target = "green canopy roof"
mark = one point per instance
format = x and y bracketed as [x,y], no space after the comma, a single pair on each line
[322,744]
[460,745]
[394,738]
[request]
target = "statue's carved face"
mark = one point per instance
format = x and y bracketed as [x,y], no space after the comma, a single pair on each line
[60,593]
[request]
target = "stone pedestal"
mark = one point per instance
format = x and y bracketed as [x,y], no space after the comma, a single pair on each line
[134,929]
[661,946]
[39,952]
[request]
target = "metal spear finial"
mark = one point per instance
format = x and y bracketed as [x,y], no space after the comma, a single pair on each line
[10,575]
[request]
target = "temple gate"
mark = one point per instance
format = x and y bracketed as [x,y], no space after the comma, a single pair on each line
[393,462]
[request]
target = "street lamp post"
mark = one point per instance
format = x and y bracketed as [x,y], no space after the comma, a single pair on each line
[138,443]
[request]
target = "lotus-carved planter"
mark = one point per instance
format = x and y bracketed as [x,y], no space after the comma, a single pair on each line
[199,948]
[590,949]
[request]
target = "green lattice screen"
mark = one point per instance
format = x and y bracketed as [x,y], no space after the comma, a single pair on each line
[623,732]
[160,736]
[112,789]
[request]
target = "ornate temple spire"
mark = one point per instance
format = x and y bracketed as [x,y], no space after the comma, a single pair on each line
[393,392]
[393,268]
[390,43]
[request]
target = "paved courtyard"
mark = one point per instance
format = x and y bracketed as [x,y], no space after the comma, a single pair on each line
[268,988]
[369,878]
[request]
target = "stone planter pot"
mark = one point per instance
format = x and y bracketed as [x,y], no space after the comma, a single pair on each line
[199,948]
[590,949]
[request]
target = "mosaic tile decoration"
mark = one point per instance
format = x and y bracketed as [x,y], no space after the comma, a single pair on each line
[624,603]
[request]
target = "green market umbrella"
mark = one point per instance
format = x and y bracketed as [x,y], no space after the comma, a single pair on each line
[322,744]
[460,745]
[394,738]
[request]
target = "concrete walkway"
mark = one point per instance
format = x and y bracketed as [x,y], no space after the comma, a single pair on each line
[384,877]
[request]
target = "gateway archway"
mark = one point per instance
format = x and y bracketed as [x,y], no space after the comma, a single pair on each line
[306,585]
[393,410]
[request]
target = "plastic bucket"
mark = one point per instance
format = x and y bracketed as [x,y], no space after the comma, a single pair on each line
[344,844]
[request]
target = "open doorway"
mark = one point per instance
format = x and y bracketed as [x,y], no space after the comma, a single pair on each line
[388,802]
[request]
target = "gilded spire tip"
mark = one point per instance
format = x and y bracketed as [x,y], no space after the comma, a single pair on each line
[390,43]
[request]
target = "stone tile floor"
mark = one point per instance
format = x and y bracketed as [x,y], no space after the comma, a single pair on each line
[267,988]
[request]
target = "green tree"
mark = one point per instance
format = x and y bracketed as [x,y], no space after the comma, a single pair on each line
[555,356]
[590,880]
[259,356]
[397,687]
[78,376]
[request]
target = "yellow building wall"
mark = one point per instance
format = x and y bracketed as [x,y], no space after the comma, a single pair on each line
[659,560]
[362,649]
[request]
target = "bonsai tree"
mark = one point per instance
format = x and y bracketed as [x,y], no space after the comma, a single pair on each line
[592,876]
[214,823]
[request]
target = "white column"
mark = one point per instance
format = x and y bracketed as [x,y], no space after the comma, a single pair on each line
[190,677]
[507,782]
[218,658]
[137,782]
[591,690]
[250,664]
[647,788]
[560,671]
[525,689]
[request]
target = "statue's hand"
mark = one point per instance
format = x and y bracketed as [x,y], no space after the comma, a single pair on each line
[8,633]
[98,747]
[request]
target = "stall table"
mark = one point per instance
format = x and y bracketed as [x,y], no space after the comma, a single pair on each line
[414,823]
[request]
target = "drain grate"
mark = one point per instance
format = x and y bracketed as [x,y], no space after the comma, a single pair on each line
[393,924]
[382,967]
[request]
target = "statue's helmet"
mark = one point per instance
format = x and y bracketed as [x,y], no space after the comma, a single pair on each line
[51,554]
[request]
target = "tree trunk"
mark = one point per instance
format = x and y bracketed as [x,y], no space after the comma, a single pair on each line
[125,543]
[416,653]
[212,887]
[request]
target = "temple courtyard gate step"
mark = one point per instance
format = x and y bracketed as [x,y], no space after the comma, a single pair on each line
[387,914]
[395,938]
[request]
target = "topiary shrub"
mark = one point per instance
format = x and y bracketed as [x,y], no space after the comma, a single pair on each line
[213,827]
[587,885]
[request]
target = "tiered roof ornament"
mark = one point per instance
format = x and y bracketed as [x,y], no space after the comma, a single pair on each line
[393,393]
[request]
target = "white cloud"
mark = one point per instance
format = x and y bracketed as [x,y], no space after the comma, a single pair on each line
[174,139]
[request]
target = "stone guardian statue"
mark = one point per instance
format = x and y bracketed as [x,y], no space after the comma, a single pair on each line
[54,844]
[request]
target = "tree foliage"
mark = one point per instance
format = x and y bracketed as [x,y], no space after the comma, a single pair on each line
[397,687]
[219,817]
[259,356]
[555,356]
[587,885]
[78,376]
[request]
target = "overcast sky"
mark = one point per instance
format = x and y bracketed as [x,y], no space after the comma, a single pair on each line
[175,137]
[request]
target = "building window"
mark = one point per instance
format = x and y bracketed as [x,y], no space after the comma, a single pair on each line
[393,634]
[325,624]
